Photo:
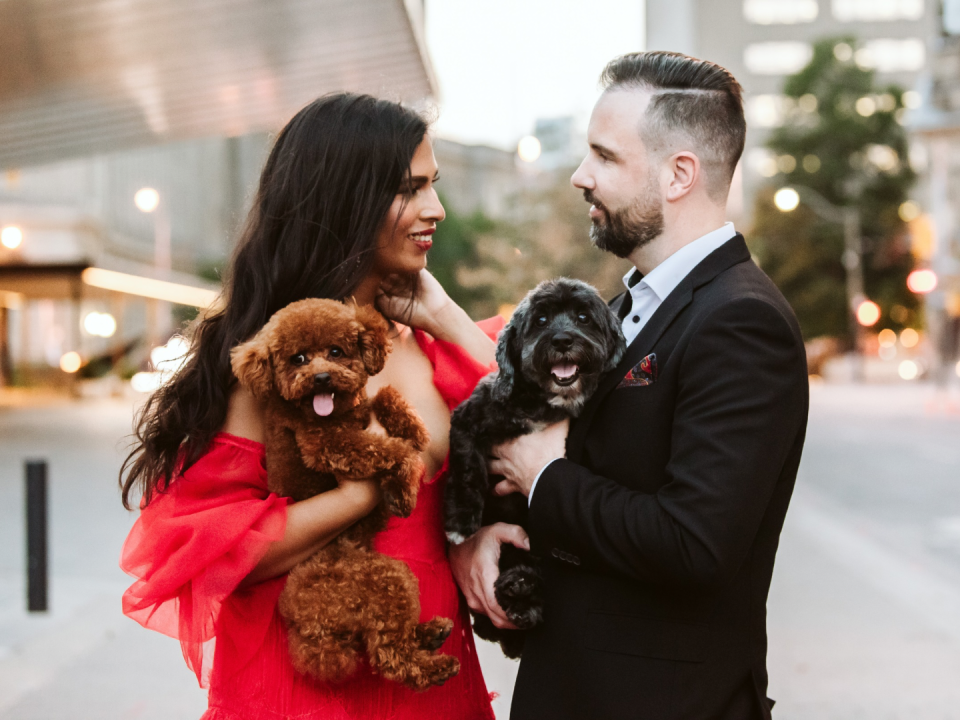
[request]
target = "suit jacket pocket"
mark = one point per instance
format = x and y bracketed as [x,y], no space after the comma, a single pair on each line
[646,637]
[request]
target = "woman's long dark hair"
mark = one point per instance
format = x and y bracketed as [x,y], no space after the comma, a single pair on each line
[324,193]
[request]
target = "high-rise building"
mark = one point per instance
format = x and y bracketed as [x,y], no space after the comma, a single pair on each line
[762,41]
[935,127]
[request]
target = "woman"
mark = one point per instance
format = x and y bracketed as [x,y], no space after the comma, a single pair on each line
[346,205]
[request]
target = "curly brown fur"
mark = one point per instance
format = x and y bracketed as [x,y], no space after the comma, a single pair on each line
[561,339]
[309,365]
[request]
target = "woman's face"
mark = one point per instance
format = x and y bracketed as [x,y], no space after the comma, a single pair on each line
[405,236]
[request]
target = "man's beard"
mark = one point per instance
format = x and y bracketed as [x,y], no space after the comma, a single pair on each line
[626,229]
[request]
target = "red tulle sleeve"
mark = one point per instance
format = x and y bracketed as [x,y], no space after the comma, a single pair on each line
[456,372]
[195,543]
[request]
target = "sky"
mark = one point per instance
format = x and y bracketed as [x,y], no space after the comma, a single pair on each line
[501,64]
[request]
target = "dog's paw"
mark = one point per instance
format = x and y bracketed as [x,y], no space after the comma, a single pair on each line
[431,635]
[399,499]
[520,594]
[433,670]
[396,504]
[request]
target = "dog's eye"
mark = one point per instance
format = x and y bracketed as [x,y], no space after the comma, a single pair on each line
[336,352]
[541,321]
[298,359]
[583,319]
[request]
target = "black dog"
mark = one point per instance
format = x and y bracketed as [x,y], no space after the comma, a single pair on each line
[561,338]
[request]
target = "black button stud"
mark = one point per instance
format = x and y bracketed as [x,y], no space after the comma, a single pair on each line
[636,318]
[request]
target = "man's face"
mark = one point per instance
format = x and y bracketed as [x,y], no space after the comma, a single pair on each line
[617,177]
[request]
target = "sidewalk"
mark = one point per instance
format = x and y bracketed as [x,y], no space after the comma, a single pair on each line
[864,611]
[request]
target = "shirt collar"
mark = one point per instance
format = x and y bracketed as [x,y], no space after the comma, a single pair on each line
[668,274]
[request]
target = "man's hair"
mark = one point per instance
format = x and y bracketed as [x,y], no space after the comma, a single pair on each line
[693,100]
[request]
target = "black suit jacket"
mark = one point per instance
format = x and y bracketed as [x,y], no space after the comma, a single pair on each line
[660,529]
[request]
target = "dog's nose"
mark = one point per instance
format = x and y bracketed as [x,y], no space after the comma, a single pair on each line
[562,340]
[321,379]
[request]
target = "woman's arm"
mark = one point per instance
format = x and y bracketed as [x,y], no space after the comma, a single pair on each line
[311,523]
[434,312]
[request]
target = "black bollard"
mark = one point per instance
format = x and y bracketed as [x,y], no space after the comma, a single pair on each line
[36,473]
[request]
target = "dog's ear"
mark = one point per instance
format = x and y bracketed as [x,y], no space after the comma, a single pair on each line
[251,364]
[373,341]
[613,334]
[508,353]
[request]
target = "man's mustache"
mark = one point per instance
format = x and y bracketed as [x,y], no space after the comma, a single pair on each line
[591,198]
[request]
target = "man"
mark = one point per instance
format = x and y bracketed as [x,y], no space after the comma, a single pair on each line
[659,516]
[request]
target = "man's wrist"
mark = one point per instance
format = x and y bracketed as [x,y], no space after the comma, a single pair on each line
[533,485]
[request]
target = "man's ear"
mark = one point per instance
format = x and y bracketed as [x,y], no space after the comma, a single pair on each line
[251,364]
[685,172]
[373,341]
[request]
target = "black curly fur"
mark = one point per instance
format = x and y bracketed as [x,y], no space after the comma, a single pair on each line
[560,321]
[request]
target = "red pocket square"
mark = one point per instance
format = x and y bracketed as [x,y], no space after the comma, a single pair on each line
[643,373]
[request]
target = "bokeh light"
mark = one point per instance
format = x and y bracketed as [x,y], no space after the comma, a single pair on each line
[811,163]
[11,237]
[868,313]
[786,199]
[922,281]
[866,106]
[887,338]
[912,99]
[70,362]
[842,52]
[147,199]
[146,382]
[528,148]
[909,370]
[908,211]
[909,338]
[166,360]
[100,324]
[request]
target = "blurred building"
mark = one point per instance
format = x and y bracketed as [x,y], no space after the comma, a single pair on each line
[100,100]
[478,178]
[762,41]
[936,127]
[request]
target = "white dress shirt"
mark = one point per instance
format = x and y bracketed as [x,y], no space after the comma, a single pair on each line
[652,289]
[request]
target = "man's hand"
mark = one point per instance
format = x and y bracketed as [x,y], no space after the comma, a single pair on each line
[520,460]
[475,568]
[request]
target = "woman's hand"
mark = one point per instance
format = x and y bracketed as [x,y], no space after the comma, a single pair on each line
[431,309]
[416,300]
[475,566]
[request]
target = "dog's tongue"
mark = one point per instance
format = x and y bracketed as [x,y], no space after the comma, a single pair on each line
[564,371]
[323,404]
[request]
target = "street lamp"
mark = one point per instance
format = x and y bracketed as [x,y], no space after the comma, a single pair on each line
[849,218]
[148,200]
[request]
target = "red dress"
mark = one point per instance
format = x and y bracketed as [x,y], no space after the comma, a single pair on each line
[193,545]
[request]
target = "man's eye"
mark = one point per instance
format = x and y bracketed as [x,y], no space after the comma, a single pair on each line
[336,352]
[298,359]
[541,321]
[583,319]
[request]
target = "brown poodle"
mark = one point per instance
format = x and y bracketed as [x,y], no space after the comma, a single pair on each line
[310,364]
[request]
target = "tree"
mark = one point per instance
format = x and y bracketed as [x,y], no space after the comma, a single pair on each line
[548,239]
[842,137]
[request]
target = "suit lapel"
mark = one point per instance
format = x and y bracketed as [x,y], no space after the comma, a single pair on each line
[727,255]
